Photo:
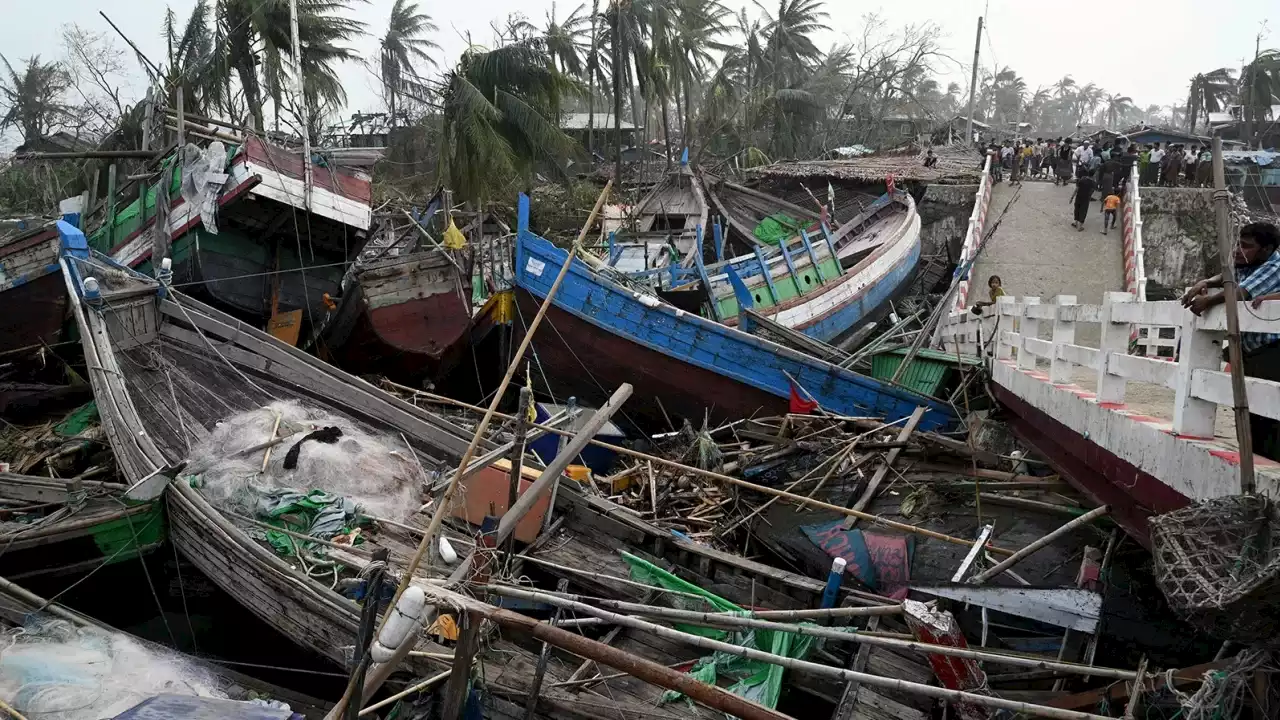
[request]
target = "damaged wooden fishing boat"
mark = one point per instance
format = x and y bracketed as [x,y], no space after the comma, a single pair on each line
[244,229]
[604,333]
[662,229]
[405,307]
[29,279]
[175,377]
[830,283]
[64,664]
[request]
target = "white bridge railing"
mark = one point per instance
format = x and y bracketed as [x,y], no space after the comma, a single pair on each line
[1199,385]
[973,236]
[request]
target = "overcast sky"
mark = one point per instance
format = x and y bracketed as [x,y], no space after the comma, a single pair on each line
[1147,49]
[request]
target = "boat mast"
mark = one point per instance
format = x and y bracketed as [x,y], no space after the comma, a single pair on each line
[302,116]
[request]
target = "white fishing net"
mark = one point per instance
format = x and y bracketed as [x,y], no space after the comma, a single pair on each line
[375,472]
[53,670]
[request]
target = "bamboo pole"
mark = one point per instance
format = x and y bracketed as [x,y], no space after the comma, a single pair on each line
[712,619]
[505,617]
[380,673]
[798,499]
[406,692]
[9,709]
[1017,557]
[1230,293]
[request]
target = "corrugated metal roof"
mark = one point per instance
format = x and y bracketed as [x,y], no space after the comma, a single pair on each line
[603,121]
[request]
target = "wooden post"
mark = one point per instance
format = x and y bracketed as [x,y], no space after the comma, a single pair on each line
[1028,327]
[571,409]
[182,120]
[455,690]
[111,207]
[1244,437]
[148,110]
[516,456]
[92,202]
[1064,331]
[531,703]
[939,627]
[1114,339]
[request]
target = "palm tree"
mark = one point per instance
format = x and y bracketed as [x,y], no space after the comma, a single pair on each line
[1065,87]
[697,25]
[565,40]
[791,50]
[402,47]
[1008,90]
[30,98]
[195,62]
[258,39]
[1259,90]
[501,109]
[1117,107]
[1209,93]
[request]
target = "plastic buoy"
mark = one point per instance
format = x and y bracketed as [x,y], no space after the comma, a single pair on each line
[447,553]
[404,620]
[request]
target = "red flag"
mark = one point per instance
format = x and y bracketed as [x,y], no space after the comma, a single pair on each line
[799,405]
[888,181]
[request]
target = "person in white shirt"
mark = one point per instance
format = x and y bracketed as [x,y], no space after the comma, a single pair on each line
[1083,156]
[1157,158]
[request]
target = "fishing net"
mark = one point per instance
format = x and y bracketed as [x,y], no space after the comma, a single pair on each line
[54,670]
[329,469]
[1218,564]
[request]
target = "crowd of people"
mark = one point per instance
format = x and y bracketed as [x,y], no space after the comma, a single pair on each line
[1103,169]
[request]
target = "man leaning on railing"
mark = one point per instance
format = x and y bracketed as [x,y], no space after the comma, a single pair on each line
[1257,261]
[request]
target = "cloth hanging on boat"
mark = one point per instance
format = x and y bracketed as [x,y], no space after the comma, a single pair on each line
[202,180]
[453,237]
[880,562]
[776,228]
[327,435]
[757,681]
[799,405]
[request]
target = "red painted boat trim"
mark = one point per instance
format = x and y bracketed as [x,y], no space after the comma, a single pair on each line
[1134,495]
[288,162]
[41,237]
[223,200]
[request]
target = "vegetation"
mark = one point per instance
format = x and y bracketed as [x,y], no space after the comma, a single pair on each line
[744,88]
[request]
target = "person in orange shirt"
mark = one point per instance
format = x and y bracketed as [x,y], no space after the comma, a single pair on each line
[1111,206]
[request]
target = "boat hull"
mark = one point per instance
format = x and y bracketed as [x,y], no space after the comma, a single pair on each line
[407,319]
[32,295]
[602,334]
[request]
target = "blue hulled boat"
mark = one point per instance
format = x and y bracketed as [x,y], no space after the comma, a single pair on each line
[600,333]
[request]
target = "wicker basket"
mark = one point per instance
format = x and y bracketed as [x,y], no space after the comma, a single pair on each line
[1218,563]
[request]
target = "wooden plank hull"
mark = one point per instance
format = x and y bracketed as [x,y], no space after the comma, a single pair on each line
[33,301]
[408,318]
[602,333]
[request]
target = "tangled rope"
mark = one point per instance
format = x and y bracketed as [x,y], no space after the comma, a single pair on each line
[1223,692]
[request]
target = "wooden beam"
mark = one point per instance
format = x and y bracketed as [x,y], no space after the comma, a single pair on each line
[1120,689]
[849,698]
[881,472]
[455,690]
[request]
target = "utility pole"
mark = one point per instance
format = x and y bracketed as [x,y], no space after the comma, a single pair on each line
[617,90]
[973,85]
[300,89]
[1229,290]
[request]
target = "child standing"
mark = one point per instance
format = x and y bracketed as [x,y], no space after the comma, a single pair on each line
[1111,205]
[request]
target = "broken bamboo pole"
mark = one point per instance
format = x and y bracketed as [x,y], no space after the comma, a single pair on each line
[1017,557]
[380,673]
[883,471]
[711,475]
[536,628]
[736,621]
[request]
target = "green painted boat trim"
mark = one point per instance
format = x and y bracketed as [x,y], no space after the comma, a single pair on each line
[924,375]
[786,286]
[130,536]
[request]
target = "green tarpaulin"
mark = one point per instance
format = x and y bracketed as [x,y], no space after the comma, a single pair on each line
[776,228]
[758,681]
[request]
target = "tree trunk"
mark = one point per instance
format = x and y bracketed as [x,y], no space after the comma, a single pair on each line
[392,120]
[666,131]
[592,68]
[684,131]
[617,93]
[688,113]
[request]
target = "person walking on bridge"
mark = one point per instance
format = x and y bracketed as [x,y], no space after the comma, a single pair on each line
[1257,264]
[1082,197]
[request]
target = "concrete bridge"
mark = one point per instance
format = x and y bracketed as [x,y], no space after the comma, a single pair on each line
[1089,376]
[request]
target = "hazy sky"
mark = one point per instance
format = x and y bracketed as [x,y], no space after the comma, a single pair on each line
[1147,49]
